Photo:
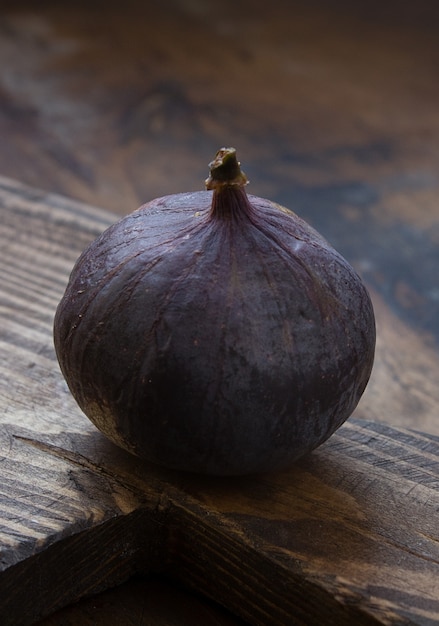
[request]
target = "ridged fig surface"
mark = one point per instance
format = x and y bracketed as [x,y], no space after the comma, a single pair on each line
[226,341]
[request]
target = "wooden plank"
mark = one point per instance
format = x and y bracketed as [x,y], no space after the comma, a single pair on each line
[349,535]
[144,600]
[350,532]
[355,528]
[117,107]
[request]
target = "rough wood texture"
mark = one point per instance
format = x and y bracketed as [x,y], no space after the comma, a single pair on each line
[333,109]
[349,535]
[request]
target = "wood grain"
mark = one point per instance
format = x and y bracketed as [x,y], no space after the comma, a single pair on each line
[333,110]
[348,535]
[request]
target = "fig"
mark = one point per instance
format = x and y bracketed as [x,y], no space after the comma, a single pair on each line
[215,331]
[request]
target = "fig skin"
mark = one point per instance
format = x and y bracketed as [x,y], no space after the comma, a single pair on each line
[215,331]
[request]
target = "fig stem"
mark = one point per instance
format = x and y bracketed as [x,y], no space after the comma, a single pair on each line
[225,170]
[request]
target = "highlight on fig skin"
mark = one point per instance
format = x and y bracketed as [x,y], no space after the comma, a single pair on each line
[215,331]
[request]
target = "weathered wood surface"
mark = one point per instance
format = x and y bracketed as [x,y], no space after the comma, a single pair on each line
[349,535]
[334,111]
